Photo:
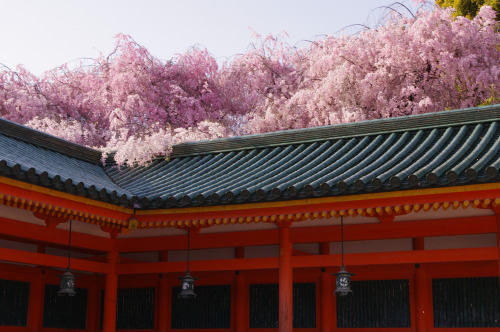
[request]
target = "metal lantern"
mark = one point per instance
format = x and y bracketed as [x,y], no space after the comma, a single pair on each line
[187,287]
[67,284]
[343,282]
[343,278]
[187,281]
[67,281]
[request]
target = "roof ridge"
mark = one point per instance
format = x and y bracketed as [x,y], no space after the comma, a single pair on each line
[47,141]
[345,130]
[278,138]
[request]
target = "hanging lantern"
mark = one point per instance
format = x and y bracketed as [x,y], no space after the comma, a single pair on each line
[343,278]
[187,287]
[67,284]
[343,282]
[187,281]
[67,281]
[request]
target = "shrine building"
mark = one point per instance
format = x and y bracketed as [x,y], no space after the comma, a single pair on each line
[248,234]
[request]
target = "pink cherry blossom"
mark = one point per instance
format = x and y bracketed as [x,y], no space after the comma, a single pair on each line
[139,106]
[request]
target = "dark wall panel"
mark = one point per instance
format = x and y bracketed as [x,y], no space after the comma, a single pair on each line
[14,299]
[304,305]
[69,312]
[466,302]
[211,309]
[264,305]
[375,303]
[135,308]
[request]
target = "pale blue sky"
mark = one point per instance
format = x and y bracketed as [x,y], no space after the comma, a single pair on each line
[44,34]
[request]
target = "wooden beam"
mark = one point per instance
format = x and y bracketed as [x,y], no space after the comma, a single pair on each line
[358,232]
[42,234]
[372,258]
[296,252]
[198,241]
[396,230]
[208,265]
[399,257]
[19,256]
[121,259]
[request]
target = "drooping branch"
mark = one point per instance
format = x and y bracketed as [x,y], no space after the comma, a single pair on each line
[138,105]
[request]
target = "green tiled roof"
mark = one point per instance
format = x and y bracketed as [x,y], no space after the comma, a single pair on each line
[45,160]
[430,150]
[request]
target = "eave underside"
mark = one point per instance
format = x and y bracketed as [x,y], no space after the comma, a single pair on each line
[124,220]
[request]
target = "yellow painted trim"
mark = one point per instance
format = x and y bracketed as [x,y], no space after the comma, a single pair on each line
[59,194]
[325,200]
[254,206]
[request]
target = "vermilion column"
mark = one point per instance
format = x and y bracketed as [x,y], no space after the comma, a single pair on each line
[497,211]
[163,301]
[36,297]
[36,303]
[110,294]
[285,280]
[92,298]
[420,290]
[240,311]
[327,313]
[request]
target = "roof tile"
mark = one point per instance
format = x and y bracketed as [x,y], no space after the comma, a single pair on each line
[441,149]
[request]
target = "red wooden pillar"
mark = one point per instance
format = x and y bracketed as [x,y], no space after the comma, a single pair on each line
[240,308]
[110,294]
[35,308]
[240,314]
[327,313]
[421,313]
[92,307]
[164,300]
[285,312]
[497,212]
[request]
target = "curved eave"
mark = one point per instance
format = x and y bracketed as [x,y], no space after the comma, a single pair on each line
[34,137]
[43,166]
[384,206]
[433,158]
[48,203]
[437,150]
